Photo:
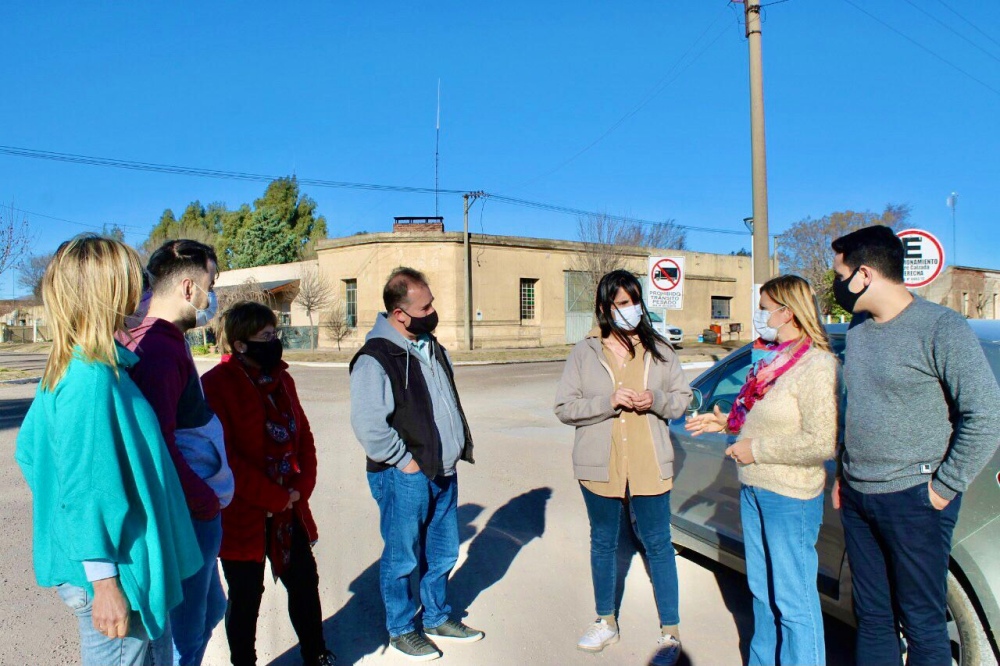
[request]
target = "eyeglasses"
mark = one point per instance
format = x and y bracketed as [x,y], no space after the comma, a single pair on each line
[269,336]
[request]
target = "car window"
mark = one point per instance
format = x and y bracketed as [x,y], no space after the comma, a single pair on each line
[729,383]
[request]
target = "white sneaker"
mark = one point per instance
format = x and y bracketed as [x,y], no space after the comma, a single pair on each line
[668,651]
[598,636]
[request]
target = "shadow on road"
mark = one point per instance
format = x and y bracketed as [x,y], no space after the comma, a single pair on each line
[358,629]
[12,412]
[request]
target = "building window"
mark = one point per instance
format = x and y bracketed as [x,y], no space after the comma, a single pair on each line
[720,307]
[527,299]
[965,303]
[284,319]
[351,303]
[996,297]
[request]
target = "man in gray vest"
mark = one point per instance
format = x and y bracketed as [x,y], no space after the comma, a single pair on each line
[406,413]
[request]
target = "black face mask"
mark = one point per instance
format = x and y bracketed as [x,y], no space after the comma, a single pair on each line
[422,325]
[265,354]
[846,298]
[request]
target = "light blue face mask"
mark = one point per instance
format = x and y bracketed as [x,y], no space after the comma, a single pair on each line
[202,317]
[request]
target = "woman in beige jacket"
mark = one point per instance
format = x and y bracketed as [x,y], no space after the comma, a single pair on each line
[619,388]
[785,424]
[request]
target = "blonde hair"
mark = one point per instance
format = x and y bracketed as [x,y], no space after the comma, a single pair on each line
[89,287]
[797,295]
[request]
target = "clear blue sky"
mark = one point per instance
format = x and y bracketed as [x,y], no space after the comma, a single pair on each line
[857,116]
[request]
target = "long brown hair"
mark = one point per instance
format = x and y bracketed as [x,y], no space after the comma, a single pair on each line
[91,285]
[798,296]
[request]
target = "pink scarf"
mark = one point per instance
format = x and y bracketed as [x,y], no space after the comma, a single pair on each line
[770,365]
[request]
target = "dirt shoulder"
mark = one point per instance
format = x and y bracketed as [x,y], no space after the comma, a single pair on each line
[688,354]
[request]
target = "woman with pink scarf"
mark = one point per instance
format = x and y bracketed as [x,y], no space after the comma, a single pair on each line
[784,423]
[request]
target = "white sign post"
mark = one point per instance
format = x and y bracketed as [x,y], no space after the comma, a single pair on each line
[666,283]
[923,257]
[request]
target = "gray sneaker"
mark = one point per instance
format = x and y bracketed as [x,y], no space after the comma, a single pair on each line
[415,647]
[668,651]
[455,631]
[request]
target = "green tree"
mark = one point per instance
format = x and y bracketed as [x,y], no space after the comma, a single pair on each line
[264,241]
[805,248]
[298,213]
[288,212]
[829,304]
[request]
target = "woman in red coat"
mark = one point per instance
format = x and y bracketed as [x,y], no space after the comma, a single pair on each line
[273,458]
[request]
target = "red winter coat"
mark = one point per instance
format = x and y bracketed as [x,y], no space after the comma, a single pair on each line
[237,403]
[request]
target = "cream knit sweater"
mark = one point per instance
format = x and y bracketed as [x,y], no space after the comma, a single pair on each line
[794,429]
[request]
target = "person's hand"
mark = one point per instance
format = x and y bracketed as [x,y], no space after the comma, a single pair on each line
[835,494]
[741,452]
[644,401]
[624,398]
[110,609]
[702,423]
[293,497]
[411,467]
[937,501]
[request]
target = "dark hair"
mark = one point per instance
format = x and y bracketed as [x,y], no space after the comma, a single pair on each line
[877,247]
[178,258]
[397,287]
[607,290]
[245,319]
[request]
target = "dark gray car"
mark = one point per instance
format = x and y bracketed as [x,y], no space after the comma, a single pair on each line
[706,502]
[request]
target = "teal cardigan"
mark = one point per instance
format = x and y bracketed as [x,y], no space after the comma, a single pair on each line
[104,488]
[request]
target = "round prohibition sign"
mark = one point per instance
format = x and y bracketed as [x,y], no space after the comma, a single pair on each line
[660,275]
[932,244]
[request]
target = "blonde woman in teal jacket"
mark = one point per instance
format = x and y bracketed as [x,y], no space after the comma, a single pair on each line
[111,528]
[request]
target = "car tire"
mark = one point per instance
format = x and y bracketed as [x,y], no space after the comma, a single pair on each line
[973,648]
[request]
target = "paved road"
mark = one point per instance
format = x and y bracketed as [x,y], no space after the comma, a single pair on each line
[523,574]
[16,361]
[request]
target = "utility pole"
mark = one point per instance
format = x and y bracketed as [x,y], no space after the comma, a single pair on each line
[761,254]
[468,266]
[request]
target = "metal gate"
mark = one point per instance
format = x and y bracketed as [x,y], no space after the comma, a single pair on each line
[579,306]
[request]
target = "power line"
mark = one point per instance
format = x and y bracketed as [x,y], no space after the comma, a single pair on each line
[974,26]
[206,173]
[923,48]
[61,219]
[644,101]
[566,210]
[949,28]
[236,175]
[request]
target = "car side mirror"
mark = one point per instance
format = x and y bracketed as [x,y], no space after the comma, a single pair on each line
[697,401]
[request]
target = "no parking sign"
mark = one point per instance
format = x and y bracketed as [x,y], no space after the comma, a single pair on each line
[666,283]
[923,257]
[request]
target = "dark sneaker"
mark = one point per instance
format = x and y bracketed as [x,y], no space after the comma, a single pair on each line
[455,631]
[668,651]
[415,647]
[326,659]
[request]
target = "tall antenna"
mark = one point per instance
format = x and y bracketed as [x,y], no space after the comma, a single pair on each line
[437,146]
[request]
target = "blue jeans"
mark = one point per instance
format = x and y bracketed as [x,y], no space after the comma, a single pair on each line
[652,519]
[96,649]
[204,604]
[779,537]
[898,545]
[417,514]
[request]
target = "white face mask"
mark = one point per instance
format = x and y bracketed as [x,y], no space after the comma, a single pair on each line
[202,317]
[761,322]
[628,318]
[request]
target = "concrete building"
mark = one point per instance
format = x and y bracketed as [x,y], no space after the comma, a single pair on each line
[279,280]
[526,292]
[973,292]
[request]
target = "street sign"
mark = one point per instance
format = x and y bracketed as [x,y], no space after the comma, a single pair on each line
[923,257]
[666,283]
